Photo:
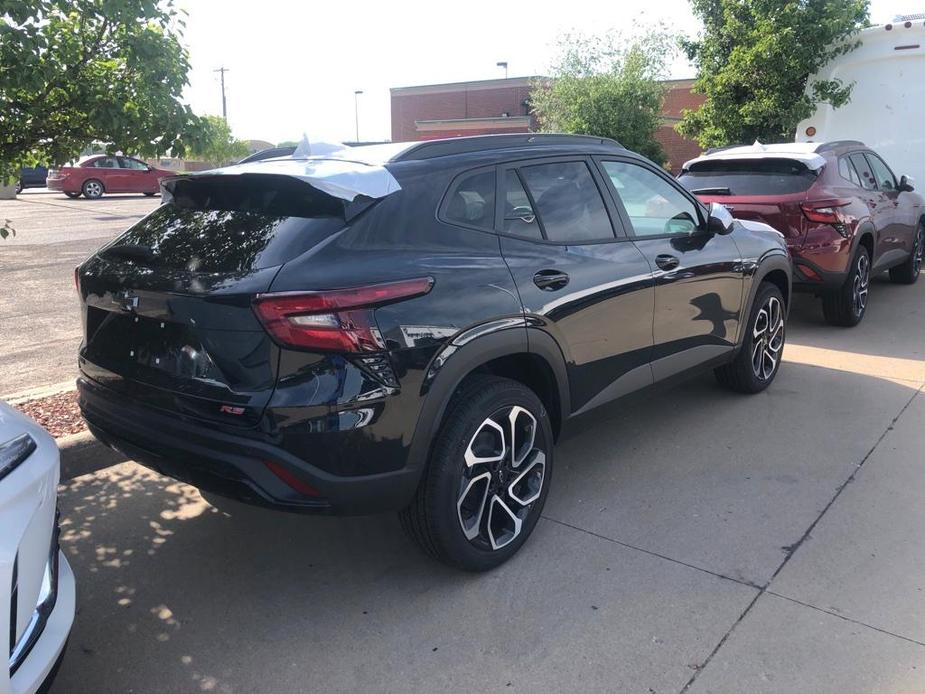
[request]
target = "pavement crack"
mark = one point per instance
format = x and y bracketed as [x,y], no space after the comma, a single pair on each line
[715,574]
[847,619]
[791,550]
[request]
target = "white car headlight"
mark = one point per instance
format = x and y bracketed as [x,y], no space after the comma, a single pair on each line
[13,452]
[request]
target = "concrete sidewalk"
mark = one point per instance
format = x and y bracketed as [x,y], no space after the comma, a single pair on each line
[693,541]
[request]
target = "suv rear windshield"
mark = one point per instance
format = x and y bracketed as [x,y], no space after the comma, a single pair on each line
[231,224]
[747,177]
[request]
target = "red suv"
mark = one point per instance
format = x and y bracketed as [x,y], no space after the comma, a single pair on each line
[94,176]
[845,216]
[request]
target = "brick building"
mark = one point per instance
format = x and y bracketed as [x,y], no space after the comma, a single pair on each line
[495,106]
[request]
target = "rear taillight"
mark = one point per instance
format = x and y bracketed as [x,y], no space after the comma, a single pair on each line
[830,212]
[340,320]
[825,211]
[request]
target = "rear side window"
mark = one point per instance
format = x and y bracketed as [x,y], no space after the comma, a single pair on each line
[747,177]
[104,163]
[471,201]
[868,182]
[567,202]
[846,171]
[232,224]
[882,174]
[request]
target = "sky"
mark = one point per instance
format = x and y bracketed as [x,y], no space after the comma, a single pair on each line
[293,66]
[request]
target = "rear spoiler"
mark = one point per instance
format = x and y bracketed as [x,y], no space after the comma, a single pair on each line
[339,178]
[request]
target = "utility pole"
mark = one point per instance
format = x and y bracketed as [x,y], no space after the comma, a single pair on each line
[356,111]
[223,70]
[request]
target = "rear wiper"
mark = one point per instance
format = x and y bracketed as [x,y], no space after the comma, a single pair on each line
[716,190]
[132,251]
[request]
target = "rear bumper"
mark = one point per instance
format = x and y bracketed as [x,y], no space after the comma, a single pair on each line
[234,465]
[811,277]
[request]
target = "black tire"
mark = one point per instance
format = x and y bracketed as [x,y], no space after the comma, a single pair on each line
[453,514]
[73,196]
[92,189]
[758,360]
[847,305]
[150,195]
[909,271]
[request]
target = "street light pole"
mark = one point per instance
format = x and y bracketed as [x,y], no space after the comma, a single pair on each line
[503,64]
[356,112]
[223,70]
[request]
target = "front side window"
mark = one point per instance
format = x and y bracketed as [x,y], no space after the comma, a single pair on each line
[654,206]
[567,202]
[868,182]
[133,164]
[882,174]
[472,200]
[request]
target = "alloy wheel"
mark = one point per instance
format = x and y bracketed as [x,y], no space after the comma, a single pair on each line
[861,285]
[503,473]
[93,189]
[767,338]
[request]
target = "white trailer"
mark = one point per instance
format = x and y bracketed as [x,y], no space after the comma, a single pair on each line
[887,107]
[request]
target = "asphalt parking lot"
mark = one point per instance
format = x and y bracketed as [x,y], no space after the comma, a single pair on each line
[693,541]
[38,306]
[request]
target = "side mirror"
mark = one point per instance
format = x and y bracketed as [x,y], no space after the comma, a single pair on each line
[905,184]
[720,220]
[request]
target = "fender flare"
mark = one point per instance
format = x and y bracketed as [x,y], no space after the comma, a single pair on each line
[465,353]
[864,228]
[767,264]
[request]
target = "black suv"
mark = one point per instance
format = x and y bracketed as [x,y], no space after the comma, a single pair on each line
[409,326]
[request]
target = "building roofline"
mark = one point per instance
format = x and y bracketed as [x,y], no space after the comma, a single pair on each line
[472,84]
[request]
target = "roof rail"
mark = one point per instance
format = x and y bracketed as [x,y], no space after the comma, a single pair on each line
[835,144]
[461,145]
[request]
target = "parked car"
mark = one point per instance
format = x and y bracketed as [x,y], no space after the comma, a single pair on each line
[94,176]
[31,177]
[410,329]
[845,214]
[887,98]
[269,153]
[37,593]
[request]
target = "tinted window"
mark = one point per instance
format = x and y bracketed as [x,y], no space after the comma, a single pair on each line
[234,224]
[519,217]
[882,174]
[568,202]
[846,171]
[747,177]
[472,200]
[104,163]
[133,164]
[654,205]
[868,182]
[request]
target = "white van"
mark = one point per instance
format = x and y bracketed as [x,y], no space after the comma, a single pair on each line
[888,100]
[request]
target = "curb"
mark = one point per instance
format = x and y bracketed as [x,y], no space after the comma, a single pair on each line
[82,454]
[40,392]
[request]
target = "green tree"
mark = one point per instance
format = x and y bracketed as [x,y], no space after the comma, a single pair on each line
[608,86]
[216,144]
[754,59]
[75,72]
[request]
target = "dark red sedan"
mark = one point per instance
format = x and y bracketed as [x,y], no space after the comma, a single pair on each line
[844,213]
[93,176]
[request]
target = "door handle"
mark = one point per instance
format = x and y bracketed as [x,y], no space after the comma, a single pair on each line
[667,262]
[550,280]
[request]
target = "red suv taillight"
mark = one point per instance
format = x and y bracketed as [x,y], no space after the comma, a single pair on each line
[825,211]
[340,319]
